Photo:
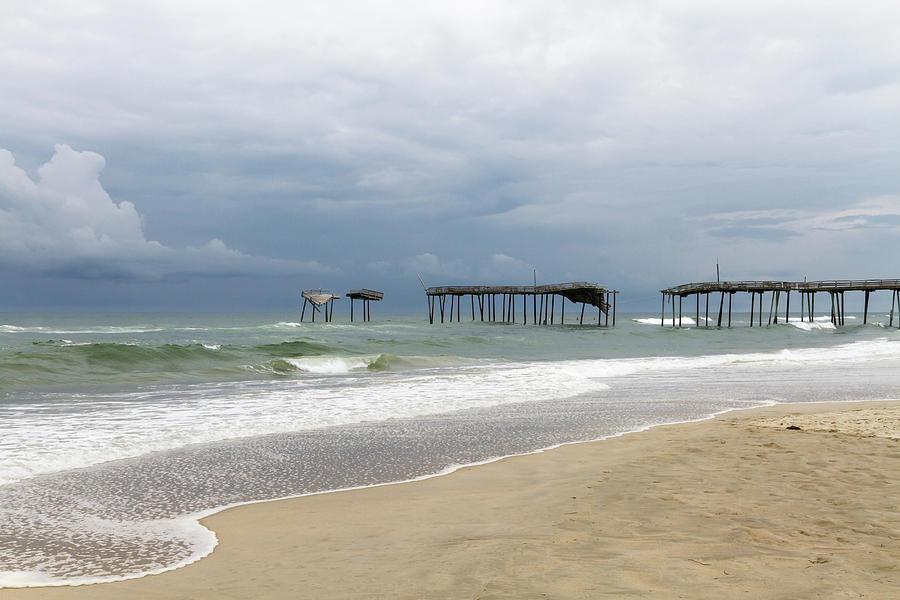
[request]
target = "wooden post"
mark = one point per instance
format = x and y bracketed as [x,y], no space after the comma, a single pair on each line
[581,320]
[534,312]
[430,309]
[842,309]
[442,299]
[552,307]
[832,308]
[707,309]
[680,304]
[752,306]
[760,308]
[771,308]
[524,309]
[303,310]
[599,315]
[893,299]
[730,295]
[777,300]
[562,318]
[802,301]
[614,308]
[866,309]
[541,312]
[787,311]
[673,310]
[721,305]
[812,307]
[606,321]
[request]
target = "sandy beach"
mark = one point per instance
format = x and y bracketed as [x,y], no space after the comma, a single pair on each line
[790,501]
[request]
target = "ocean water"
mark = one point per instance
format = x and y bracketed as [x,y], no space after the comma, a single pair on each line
[119,431]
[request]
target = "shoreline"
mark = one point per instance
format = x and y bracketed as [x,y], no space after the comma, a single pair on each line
[196,519]
[232,522]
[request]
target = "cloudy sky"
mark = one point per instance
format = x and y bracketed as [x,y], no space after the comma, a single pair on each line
[167,155]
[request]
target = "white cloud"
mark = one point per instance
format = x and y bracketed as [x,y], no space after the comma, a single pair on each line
[65,223]
[860,218]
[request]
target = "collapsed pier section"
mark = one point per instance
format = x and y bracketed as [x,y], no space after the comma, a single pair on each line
[835,288]
[543,302]
[317,298]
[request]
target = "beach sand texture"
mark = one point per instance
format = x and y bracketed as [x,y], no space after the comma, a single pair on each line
[735,507]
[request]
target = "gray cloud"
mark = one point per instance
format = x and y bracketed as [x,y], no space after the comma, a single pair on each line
[65,224]
[591,140]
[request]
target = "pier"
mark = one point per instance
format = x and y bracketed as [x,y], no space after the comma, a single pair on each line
[317,298]
[543,302]
[366,296]
[757,290]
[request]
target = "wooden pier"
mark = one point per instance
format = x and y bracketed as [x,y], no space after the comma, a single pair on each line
[543,302]
[366,296]
[317,298]
[757,290]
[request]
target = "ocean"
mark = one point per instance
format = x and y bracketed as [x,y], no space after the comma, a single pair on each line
[120,431]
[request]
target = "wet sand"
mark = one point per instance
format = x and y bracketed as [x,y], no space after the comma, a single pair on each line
[791,501]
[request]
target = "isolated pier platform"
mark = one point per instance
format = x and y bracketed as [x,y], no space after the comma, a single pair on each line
[366,296]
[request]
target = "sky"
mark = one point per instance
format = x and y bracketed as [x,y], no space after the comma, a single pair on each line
[195,155]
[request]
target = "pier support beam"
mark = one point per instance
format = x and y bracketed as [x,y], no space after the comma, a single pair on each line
[721,306]
[752,306]
[730,296]
[866,309]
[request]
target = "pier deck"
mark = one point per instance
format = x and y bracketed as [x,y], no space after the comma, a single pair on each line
[366,296]
[543,300]
[807,289]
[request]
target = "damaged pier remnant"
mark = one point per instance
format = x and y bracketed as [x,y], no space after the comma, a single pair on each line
[543,302]
[366,296]
[317,298]
[836,288]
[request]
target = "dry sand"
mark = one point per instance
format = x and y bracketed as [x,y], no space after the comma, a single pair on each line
[736,507]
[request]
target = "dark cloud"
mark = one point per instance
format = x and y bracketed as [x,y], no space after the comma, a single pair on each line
[629,143]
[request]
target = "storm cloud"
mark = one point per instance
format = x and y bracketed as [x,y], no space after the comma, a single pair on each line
[276,145]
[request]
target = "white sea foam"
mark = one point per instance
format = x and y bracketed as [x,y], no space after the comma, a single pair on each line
[331,365]
[685,321]
[87,330]
[99,428]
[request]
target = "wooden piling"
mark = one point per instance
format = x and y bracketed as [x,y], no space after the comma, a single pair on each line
[721,305]
[730,296]
[752,307]
[707,309]
[866,309]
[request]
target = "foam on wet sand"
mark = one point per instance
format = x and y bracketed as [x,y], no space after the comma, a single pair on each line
[780,502]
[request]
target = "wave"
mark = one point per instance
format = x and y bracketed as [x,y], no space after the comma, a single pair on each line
[668,320]
[91,330]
